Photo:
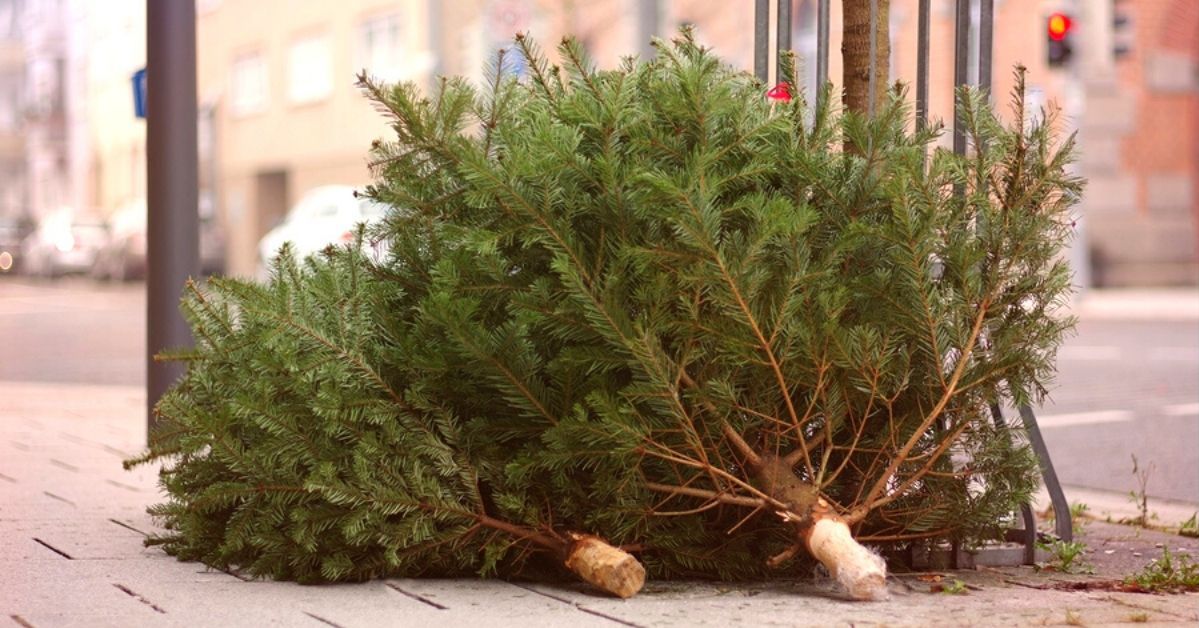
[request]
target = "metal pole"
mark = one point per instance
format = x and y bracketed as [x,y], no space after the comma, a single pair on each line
[873,84]
[922,65]
[821,46]
[986,38]
[172,222]
[961,40]
[761,42]
[783,37]
[647,22]
[1061,508]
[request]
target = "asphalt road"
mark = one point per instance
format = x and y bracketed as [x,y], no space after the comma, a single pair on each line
[1125,388]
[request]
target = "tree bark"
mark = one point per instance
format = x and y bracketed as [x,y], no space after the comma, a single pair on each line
[856,58]
[819,529]
[591,558]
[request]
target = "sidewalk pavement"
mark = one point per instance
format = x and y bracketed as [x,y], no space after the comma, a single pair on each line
[72,524]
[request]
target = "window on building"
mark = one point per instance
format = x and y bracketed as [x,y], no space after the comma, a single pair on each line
[249,93]
[381,47]
[309,70]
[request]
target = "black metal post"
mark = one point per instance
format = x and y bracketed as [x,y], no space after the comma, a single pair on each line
[783,37]
[172,222]
[647,23]
[922,65]
[986,39]
[821,46]
[1062,524]
[961,42]
[761,39]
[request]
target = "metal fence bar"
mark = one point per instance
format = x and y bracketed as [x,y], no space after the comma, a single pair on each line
[961,41]
[922,65]
[986,42]
[821,47]
[761,41]
[783,37]
[172,221]
[1062,524]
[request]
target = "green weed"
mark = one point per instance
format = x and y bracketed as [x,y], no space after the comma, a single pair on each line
[1170,573]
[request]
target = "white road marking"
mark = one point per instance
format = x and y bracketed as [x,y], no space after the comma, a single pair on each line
[1087,353]
[1175,354]
[1181,409]
[1085,418]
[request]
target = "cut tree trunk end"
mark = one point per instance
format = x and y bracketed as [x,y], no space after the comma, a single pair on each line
[609,568]
[860,571]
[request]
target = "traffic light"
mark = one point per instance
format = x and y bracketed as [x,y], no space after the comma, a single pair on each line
[1058,30]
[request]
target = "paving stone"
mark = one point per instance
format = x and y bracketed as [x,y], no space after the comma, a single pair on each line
[499,603]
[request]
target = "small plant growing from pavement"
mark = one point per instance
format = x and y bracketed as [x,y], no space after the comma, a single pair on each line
[1080,514]
[1140,496]
[1067,556]
[955,587]
[1190,527]
[1171,573]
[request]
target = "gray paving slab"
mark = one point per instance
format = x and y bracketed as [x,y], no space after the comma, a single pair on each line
[237,603]
[498,603]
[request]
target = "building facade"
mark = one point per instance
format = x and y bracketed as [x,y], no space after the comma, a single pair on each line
[14,202]
[280,113]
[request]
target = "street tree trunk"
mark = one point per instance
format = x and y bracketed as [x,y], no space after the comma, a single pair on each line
[856,58]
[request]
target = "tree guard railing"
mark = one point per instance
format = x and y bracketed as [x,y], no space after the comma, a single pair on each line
[961,59]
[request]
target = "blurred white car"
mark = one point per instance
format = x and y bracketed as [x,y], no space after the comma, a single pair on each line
[323,216]
[123,255]
[62,244]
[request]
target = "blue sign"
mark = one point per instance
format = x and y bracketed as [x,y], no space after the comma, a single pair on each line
[139,93]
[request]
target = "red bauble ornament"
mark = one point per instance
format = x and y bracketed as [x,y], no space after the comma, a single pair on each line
[780,93]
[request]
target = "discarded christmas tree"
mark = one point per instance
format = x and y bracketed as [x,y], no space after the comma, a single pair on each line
[647,304]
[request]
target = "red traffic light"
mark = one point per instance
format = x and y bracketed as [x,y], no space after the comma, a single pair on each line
[1059,26]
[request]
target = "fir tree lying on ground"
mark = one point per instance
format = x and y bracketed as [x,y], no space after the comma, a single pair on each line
[642,303]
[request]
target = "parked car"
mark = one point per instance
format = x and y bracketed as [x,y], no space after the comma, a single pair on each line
[123,254]
[212,237]
[11,233]
[325,215]
[62,243]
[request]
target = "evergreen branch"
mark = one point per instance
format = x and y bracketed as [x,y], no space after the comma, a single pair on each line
[867,504]
[573,52]
[523,534]
[775,367]
[537,216]
[521,386]
[353,359]
[714,496]
[539,65]
[947,441]
[695,464]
